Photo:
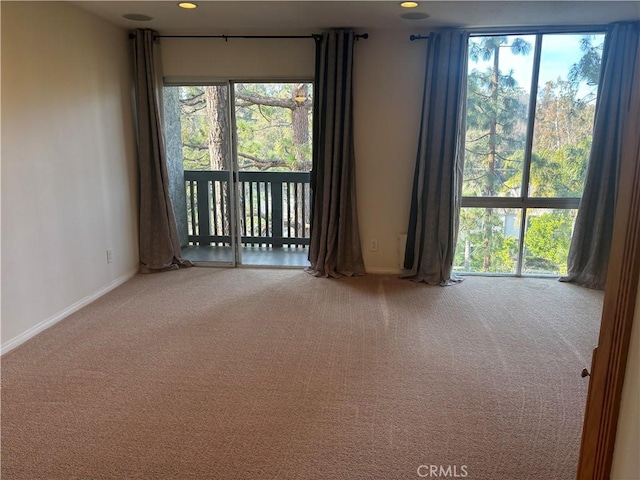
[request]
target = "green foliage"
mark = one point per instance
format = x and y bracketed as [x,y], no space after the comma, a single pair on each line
[547,241]
[266,132]
[194,128]
[473,247]
[560,173]
[485,48]
[589,66]
[562,141]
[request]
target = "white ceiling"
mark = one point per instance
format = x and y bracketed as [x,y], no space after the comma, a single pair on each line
[241,16]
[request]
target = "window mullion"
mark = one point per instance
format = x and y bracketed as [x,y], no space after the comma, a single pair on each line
[531,117]
[526,170]
[523,229]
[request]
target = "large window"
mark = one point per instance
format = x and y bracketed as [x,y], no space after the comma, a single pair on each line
[530,109]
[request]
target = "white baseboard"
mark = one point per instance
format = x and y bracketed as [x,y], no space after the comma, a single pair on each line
[383,270]
[23,337]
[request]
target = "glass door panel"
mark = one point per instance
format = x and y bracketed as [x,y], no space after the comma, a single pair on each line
[274,144]
[198,136]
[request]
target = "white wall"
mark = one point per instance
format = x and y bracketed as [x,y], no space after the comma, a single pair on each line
[626,456]
[240,58]
[68,163]
[388,87]
[388,82]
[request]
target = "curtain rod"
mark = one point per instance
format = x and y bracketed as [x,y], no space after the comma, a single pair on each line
[315,36]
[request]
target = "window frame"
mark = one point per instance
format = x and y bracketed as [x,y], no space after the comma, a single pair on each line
[524,201]
[230,83]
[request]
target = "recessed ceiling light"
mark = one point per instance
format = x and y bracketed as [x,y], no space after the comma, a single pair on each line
[414,16]
[409,4]
[187,5]
[138,17]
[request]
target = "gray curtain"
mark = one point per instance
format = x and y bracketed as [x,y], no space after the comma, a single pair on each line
[334,248]
[437,182]
[159,245]
[615,128]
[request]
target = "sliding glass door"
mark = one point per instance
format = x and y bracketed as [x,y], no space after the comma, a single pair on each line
[274,144]
[245,151]
[530,109]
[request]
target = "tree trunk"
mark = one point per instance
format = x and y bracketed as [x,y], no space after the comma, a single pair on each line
[300,124]
[217,118]
[556,122]
[491,158]
[219,154]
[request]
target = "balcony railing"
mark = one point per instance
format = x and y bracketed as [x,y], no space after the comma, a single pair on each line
[274,208]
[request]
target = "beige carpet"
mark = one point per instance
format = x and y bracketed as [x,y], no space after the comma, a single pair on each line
[274,374]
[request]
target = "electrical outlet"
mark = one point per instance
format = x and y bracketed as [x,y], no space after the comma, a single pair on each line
[373,246]
[109,256]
